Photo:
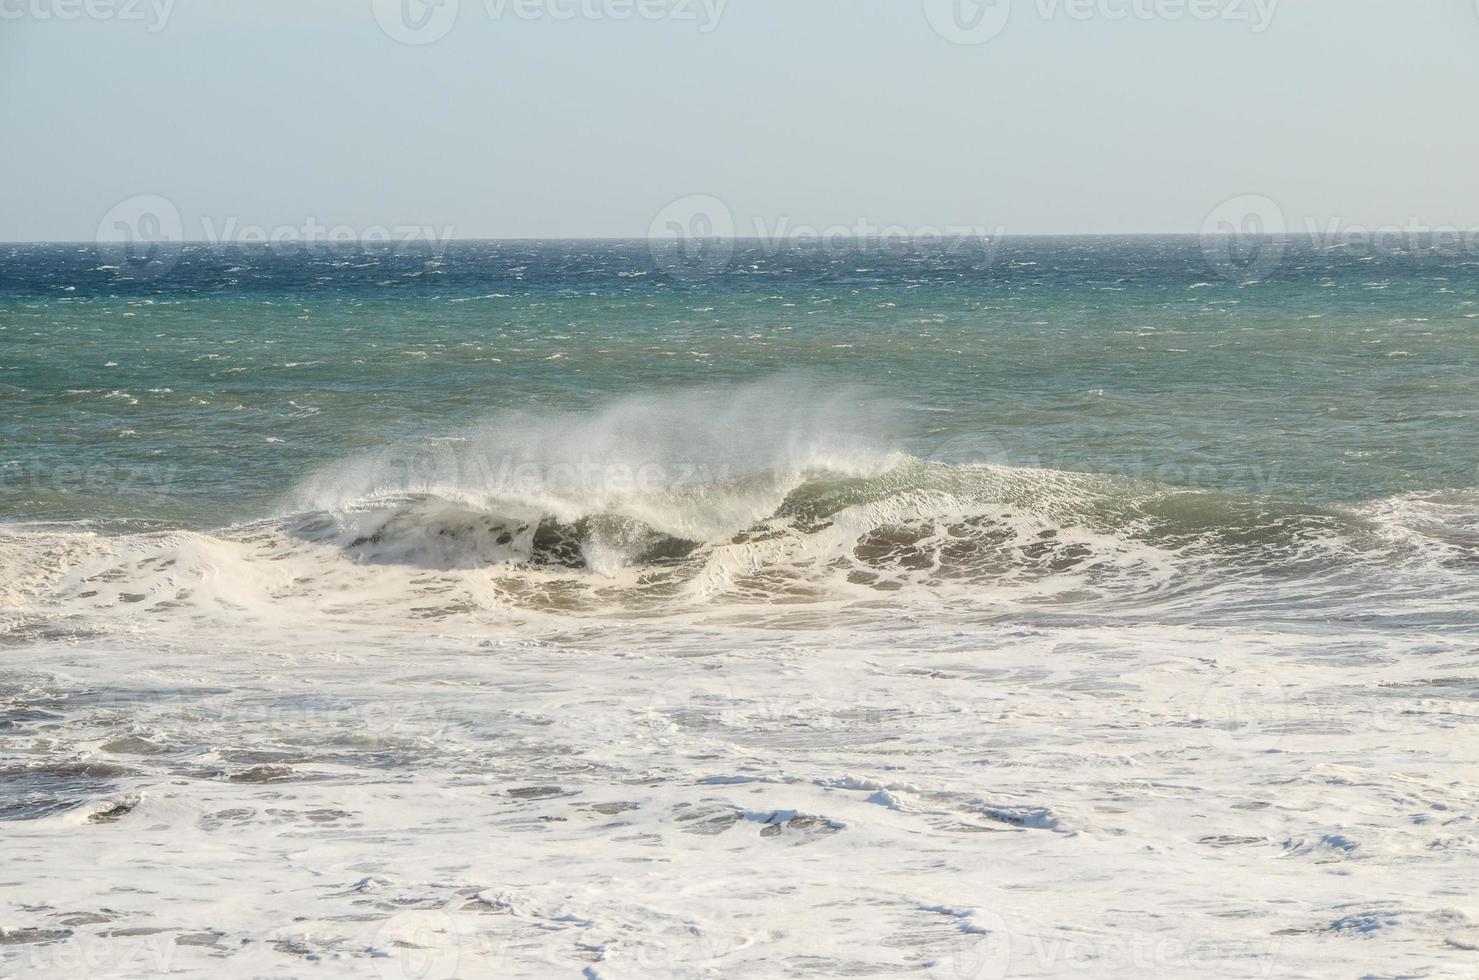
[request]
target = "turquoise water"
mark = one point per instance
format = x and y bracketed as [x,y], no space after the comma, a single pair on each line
[199,396]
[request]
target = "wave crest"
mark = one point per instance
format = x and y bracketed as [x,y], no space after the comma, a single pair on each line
[775,495]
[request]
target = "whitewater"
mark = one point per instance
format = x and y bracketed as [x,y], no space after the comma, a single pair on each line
[841,712]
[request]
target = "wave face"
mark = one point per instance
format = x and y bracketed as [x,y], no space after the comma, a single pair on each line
[693,465]
[763,501]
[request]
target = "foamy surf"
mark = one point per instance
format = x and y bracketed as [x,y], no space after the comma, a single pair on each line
[948,540]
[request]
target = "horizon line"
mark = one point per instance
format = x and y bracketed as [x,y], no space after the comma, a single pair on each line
[638,239]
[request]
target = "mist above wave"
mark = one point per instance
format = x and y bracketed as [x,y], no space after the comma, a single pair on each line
[694,464]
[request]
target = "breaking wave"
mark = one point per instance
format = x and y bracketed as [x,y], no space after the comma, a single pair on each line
[771,497]
[970,540]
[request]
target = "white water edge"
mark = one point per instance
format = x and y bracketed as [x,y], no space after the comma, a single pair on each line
[731,798]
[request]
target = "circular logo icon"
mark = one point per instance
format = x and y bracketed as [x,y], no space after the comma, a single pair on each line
[141,237]
[983,950]
[689,953]
[1247,712]
[416,944]
[1243,238]
[693,237]
[969,21]
[686,719]
[969,447]
[414,468]
[415,21]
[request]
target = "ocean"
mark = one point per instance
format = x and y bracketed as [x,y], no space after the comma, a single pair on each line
[1033,607]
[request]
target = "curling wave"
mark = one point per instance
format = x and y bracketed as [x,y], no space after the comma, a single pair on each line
[914,536]
[720,503]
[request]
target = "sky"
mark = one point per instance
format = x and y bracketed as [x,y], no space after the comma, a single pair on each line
[591,118]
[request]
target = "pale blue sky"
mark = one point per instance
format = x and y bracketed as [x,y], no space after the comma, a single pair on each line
[819,112]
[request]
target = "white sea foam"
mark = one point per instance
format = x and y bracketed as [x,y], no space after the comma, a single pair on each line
[671,800]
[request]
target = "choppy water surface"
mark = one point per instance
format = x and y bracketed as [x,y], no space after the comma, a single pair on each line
[533,608]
